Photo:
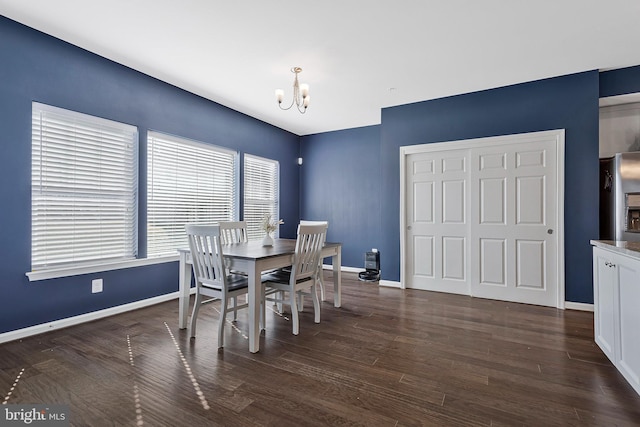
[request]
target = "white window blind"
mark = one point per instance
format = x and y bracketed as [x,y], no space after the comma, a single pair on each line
[261,193]
[84,182]
[188,182]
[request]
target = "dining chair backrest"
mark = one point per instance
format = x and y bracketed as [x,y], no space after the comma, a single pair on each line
[213,278]
[309,245]
[320,279]
[305,222]
[233,232]
[206,253]
[325,223]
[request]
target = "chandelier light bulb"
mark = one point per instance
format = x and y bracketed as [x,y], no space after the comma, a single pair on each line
[304,89]
[279,95]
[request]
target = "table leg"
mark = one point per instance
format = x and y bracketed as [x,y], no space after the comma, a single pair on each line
[255,286]
[184,282]
[337,278]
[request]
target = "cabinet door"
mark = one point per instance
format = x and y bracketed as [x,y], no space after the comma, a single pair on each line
[629,318]
[604,302]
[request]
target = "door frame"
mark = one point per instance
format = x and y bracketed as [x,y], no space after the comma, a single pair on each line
[557,134]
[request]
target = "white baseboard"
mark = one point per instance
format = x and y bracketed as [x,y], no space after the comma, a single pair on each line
[387,283]
[88,317]
[393,284]
[578,306]
[390,284]
[343,268]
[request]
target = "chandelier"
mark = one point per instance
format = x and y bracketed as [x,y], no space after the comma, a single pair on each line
[300,94]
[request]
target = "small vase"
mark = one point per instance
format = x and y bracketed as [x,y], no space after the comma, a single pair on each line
[267,240]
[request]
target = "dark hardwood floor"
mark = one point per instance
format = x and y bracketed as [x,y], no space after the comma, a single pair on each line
[388,357]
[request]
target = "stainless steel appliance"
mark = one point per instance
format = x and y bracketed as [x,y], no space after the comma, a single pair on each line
[620,197]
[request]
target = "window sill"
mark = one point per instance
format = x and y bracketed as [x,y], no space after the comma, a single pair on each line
[97,268]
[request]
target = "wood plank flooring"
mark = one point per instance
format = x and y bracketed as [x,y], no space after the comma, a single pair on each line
[388,357]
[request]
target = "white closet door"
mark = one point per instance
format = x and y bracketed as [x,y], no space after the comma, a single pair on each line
[437,221]
[514,254]
[483,217]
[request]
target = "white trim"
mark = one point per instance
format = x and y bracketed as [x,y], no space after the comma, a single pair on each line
[390,284]
[560,171]
[404,152]
[343,268]
[558,134]
[627,98]
[83,318]
[464,144]
[97,268]
[578,306]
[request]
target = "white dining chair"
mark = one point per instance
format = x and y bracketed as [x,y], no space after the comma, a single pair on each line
[211,276]
[320,275]
[302,277]
[233,232]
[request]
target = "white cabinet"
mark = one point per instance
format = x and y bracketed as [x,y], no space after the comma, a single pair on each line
[604,301]
[617,310]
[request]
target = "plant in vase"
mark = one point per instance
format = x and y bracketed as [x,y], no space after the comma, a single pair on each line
[269,225]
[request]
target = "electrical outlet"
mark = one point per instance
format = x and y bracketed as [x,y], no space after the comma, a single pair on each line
[96,286]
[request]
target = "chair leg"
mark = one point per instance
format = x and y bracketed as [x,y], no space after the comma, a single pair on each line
[194,314]
[235,308]
[263,308]
[316,303]
[279,305]
[321,282]
[294,311]
[223,318]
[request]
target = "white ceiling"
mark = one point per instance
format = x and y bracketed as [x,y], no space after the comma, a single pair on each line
[357,56]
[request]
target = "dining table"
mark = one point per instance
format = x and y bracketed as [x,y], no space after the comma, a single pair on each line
[254,259]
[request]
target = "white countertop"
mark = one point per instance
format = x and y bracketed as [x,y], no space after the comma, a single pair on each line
[631,249]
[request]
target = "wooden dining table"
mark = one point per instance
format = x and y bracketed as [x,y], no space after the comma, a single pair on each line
[253,258]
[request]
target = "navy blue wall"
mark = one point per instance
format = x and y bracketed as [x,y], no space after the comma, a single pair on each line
[350,177]
[620,82]
[340,182]
[37,67]
[568,102]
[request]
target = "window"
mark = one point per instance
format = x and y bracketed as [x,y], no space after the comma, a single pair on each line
[84,182]
[261,193]
[188,182]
